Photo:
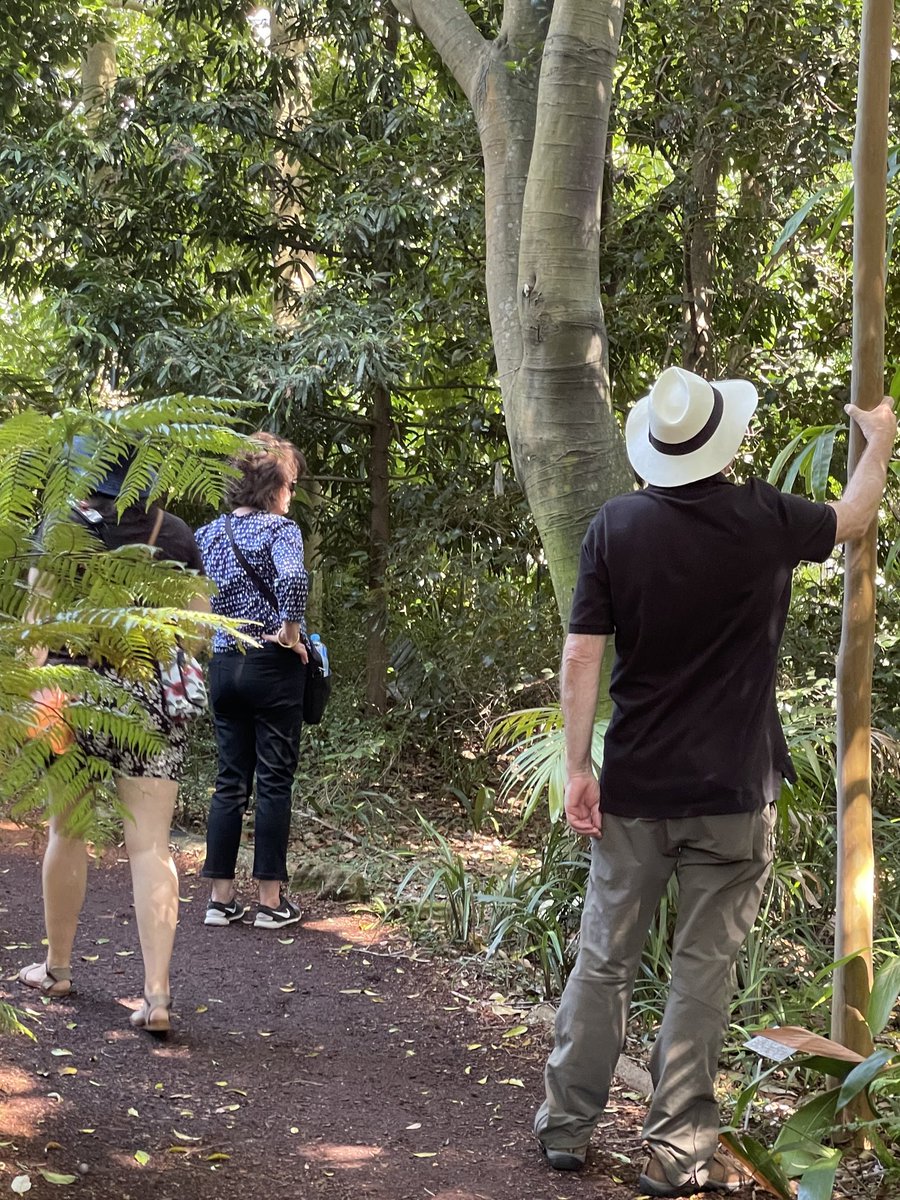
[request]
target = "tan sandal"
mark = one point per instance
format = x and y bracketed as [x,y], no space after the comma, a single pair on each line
[52,981]
[153,1015]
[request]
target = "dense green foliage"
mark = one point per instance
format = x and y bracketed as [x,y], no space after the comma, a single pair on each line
[138,243]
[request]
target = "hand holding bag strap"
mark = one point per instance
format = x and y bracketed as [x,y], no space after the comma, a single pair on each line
[261,584]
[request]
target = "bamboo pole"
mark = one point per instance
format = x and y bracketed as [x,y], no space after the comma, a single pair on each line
[856,859]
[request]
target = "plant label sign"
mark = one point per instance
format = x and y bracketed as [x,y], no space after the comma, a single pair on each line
[766,1048]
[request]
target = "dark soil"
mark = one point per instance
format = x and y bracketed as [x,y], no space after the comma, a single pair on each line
[324,1060]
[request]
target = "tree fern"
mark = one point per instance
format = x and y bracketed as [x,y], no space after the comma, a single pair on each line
[126,606]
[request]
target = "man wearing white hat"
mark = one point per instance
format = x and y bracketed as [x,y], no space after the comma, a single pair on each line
[692,576]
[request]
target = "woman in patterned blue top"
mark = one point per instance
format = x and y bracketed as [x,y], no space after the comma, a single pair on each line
[254,555]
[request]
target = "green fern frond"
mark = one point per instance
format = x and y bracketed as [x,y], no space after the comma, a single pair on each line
[127,607]
[11,1021]
[536,738]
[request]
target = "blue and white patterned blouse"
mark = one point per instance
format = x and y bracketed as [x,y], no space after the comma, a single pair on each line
[273,545]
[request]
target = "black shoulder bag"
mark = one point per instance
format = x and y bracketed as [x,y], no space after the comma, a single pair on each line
[317,688]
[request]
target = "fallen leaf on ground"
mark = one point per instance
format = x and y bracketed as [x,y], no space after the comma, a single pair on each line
[142,1157]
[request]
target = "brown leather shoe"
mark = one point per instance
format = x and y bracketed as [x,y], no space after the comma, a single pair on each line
[724,1174]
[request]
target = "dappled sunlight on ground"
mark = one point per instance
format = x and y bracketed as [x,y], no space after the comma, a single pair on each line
[359,931]
[332,1154]
[21,1104]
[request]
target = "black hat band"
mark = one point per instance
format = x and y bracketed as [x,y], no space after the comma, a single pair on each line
[699,439]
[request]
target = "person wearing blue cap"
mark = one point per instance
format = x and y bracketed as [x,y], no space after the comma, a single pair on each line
[147,784]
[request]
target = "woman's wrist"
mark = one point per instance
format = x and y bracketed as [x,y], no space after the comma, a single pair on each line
[282,640]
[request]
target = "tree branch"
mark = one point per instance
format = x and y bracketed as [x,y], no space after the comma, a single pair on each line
[148,10]
[454,36]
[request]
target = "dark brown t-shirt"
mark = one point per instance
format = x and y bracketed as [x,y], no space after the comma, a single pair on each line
[175,540]
[695,583]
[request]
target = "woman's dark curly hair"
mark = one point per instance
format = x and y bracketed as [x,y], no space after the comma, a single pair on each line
[263,471]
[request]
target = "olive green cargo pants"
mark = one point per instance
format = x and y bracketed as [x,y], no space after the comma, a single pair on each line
[721,863]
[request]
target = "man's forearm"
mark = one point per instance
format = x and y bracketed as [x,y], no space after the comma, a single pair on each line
[582,657]
[857,508]
[859,504]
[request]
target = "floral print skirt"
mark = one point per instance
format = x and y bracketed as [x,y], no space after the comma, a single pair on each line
[164,763]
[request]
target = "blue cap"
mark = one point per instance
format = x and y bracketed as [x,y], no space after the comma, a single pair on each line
[111,484]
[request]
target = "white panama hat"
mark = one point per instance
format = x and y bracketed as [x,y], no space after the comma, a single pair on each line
[686,429]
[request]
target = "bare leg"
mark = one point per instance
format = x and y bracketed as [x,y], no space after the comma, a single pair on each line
[150,804]
[64,877]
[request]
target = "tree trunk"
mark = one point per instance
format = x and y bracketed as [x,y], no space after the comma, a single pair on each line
[700,210]
[312,553]
[379,543]
[295,268]
[567,450]
[856,861]
[98,78]
[541,94]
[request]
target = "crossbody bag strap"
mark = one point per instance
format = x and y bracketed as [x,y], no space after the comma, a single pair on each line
[157,526]
[261,584]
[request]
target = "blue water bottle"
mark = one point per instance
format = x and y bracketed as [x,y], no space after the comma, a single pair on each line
[322,652]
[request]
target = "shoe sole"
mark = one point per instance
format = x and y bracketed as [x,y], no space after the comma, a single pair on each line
[650,1187]
[263,923]
[562,1161]
[218,918]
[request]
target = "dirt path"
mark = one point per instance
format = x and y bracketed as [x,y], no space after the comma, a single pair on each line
[324,1062]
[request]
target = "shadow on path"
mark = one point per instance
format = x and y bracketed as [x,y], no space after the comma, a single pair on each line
[322,1060]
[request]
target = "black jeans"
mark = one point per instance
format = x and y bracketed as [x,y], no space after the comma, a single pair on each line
[257,704]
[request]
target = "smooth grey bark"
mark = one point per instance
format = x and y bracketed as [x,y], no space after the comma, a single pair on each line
[540,93]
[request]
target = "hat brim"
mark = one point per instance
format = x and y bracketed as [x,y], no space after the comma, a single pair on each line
[739,398]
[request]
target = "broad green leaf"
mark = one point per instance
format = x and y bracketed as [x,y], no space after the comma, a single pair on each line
[817,1182]
[760,1161]
[793,223]
[53,1177]
[862,1075]
[838,1068]
[799,1141]
[885,991]
[821,465]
